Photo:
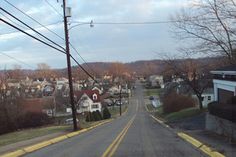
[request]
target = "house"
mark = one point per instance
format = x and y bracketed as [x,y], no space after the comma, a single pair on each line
[61,82]
[224,83]
[48,90]
[156,81]
[114,90]
[221,116]
[88,101]
[98,89]
[207,97]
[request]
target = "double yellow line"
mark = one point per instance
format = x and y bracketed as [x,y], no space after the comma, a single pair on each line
[114,145]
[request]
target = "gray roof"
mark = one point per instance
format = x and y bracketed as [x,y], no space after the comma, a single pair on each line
[228,70]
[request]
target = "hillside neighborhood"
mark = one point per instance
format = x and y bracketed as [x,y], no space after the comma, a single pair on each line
[116,78]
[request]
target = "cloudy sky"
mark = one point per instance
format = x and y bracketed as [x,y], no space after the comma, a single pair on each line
[124,43]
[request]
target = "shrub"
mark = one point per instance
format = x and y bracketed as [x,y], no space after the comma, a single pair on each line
[106,113]
[174,102]
[89,117]
[99,115]
[95,116]
[32,119]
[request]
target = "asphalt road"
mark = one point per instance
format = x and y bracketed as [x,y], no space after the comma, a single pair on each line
[135,134]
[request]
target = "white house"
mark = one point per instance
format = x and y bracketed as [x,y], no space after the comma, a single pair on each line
[88,101]
[114,90]
[224,83]
[98,89]
[208,97]
[156,79]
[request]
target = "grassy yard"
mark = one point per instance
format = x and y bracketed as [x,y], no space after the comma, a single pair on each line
[115,111]
[152,92]
[150,107]
[27,134]
[31,133]
[185,113]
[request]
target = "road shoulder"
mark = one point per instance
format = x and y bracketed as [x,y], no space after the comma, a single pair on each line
[42,144]
[205,148]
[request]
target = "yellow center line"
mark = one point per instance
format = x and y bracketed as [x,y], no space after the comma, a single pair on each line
[113,147]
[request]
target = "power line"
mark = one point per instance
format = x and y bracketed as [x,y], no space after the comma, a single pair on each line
[128,23]
[31,35]
[31,28]
[53,8]
[82,68]
[33,19]
[16,59]
[82,59]
[15,27]
[51,32]
[11,20]
[46,27]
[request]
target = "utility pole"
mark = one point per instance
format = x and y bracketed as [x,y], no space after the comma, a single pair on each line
[120,99]
[72,102]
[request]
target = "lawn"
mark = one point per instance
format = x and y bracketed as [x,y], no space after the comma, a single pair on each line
[115,110]
[185,113]
[31,133]
[150,107]
[27,134]
[152,92]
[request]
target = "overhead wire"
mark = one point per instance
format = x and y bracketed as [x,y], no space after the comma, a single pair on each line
[51,30]
[128,23]
[53,8]
[90,68]
[17,60]
[55,23]
[33,19]
[11,20]
[70,43]
[15,27]
[31,28]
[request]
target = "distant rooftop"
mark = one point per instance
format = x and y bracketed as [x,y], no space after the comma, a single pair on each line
[228,70]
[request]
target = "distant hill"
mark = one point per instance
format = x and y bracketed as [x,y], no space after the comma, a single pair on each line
[143,67]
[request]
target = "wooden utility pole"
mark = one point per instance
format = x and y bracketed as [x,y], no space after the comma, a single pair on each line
[120,99]
[72,102]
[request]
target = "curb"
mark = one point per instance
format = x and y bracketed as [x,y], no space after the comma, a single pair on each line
[194,142]
[43,144]
[204,148]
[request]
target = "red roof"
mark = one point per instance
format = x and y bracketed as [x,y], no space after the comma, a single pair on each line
[89,93]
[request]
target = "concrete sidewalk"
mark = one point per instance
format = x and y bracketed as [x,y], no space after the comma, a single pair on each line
[21,144]
[217,142]
[195,127]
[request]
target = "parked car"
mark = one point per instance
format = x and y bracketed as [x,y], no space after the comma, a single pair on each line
[151,98]
[118,103]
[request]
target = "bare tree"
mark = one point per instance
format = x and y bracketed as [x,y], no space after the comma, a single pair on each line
[210,25]
[45,71]
[9,105]
[193,72]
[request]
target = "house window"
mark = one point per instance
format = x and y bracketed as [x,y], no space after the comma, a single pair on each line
[209,98]
[95,96]
[95,106]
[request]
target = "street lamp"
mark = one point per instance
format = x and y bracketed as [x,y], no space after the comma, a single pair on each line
[83,23]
